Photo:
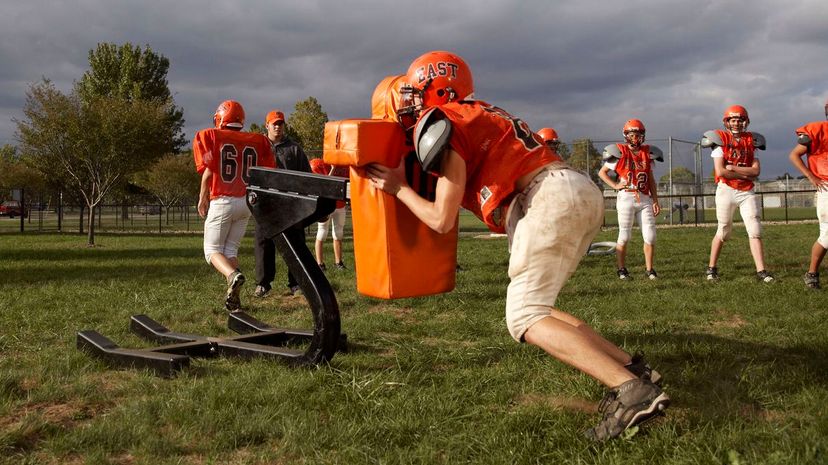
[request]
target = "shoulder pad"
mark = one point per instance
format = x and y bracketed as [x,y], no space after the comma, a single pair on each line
[803,139]
[758,141]
[656,154]
[431,135]
[711,139]
[611,154]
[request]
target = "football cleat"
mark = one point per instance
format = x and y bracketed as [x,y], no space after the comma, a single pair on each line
[765,276]
[712,273]
[640,368]
[623,274]
[627,405]
[651,274]
[812,280]
[234,284]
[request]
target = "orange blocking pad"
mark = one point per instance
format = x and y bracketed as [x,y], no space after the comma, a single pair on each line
[358,142]
[395,254]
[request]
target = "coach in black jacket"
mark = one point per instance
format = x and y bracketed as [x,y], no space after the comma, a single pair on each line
[289,156]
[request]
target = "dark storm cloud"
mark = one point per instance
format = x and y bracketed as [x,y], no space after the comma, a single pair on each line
[583,67]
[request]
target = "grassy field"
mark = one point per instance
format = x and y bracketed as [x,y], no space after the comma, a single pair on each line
[432,380]
[184,222]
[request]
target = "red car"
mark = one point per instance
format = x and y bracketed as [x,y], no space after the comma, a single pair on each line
[12,208]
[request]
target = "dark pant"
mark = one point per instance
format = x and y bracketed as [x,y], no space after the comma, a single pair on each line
[265,254]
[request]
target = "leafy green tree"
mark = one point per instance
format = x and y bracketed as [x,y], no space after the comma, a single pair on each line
[563,151]
[172,179]
[257,129]
[308,124]
[586,157]
[681,175]
[16,174]
[92,144]
[132,73]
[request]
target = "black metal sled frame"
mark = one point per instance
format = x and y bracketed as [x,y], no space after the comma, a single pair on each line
[279,200]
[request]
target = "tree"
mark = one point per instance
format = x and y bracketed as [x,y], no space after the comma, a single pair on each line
[16,174]
[171,179]
[257,129]
[681,175]
[91,144]
[563,151]
[131,73]
[307,124]
[585,157]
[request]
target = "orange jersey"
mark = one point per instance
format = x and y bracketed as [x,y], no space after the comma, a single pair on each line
[318,166]
[818,148]
[738,153]
[230,155]
[636,167]
[498,149]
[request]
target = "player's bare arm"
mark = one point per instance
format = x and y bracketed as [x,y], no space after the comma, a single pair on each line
[796,159]
[654,196]
[204,193]
[603,173]
[748,172]
[440,215]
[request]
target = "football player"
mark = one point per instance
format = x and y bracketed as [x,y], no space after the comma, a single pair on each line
[492,164]
[812,140]
[637,197]
[289,156]
[337,218]
[550,138]
[224,155]
[736,167]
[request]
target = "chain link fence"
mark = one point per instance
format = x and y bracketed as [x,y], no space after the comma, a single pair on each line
[685,188]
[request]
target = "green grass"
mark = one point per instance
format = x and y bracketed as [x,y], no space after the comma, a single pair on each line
[433,380]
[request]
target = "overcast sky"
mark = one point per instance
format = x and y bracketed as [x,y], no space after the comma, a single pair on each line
[583,67]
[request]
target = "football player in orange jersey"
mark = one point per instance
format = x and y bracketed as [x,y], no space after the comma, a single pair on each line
[224,155]
[637,193]
[550,138]
[335,219]
[736,167]
[812,140]
[489,162]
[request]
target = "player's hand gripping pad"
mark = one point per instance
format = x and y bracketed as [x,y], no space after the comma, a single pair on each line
[396,255]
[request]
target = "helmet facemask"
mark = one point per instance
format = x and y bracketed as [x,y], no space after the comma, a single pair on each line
[736,124]
[408,110]
[634,138]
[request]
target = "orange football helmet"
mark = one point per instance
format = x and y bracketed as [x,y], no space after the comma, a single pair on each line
[435,78]
[549,136]
[386,97]
[229,114]
[736,111]
[634,127]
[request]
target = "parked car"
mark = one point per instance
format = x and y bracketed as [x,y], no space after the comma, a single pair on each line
[12,208]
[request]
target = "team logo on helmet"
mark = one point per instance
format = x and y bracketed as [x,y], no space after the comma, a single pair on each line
[434,78]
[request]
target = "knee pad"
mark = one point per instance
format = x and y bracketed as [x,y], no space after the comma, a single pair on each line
[623,236]
[754,228]
[648,230]
[649,234]
[823,235]
[322,231]
[724,231]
